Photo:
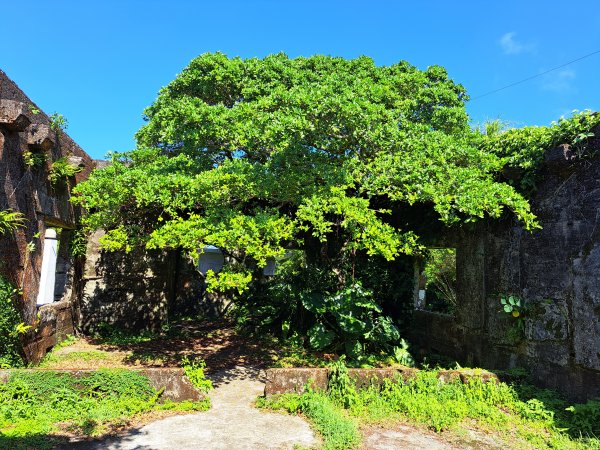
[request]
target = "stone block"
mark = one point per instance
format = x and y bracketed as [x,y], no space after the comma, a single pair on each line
[41,136]
[295,380]
[76,161]
[559,156]
[172,381]
[13,115]
[368,377]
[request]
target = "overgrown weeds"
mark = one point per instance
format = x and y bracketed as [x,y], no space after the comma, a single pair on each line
[337,429]
[36,405]
[518,416]
[194,370]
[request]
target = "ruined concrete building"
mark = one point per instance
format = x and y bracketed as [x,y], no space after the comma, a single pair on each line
[37,257]
[555,271]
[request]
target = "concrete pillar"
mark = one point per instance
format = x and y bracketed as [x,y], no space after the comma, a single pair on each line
[48,275]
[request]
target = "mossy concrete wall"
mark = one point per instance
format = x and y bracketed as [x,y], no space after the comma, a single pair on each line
[26,189]
[555,270]
[173,382]
[140,290]
[296,379]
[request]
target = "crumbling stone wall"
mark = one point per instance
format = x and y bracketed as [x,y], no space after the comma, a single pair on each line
[25,128]
[140,290]
[555,270]
[126,290]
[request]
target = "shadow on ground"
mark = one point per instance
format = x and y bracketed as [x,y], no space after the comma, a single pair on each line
[30,441]
[216,342]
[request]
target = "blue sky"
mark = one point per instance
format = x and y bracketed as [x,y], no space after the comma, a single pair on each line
[100,63]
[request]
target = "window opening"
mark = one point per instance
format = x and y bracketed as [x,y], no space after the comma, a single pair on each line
[48,273]
[435,281]
[56,266]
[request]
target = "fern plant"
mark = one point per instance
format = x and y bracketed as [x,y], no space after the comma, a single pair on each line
[61,170]
[10,221]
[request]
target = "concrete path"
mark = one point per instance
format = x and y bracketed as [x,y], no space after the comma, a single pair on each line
[231,423]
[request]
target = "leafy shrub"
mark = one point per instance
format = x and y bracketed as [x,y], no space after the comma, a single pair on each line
[304,302]
[10,325]
[194,370]
[523,148]
[340,387]
[350,320]
[34,159]
[58,122]
[585,418]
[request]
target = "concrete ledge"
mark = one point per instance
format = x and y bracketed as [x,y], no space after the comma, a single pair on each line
[41,136]
[13,115]
[294,380]
[177,387]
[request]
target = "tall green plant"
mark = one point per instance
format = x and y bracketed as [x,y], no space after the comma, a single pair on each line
[10,326]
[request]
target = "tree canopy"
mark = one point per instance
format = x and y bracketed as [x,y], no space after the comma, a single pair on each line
[256,156]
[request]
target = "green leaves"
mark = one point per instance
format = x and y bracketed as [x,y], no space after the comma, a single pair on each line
[512,305]
[257,156]
[10,326]
[10,221]
[320,337]
[350,318]
[61,170]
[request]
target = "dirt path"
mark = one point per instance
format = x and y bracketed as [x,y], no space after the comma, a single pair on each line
[231,423]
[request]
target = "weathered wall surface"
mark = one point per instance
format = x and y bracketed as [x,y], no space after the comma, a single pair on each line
[556,271]
[141,290]
[24,128]
[126,290]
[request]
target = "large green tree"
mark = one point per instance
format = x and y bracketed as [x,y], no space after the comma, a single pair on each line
[255,156]
[345,160]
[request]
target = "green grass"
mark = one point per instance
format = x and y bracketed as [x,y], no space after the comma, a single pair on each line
[109,335]
[88,355]
[515,416]
[35,407]
[337,430]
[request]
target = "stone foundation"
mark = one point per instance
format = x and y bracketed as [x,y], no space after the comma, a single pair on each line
[296,379]
[172,381]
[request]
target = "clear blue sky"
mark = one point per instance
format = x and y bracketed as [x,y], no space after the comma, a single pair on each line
[99,63]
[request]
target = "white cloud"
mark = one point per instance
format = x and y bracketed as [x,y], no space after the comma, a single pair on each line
[511,46]
[560,81]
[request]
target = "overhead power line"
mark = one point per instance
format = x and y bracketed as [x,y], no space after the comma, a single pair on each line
[535,76]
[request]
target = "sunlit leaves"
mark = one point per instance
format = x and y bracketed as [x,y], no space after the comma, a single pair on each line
[260,155]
